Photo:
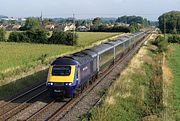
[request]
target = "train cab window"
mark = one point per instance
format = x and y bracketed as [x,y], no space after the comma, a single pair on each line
[61,70]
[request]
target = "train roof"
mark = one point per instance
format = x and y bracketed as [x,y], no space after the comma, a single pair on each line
[101,48]
[131,36]
[78,58]
[81,58]
[115,42]
[64,61]
[124,39]
[89,52]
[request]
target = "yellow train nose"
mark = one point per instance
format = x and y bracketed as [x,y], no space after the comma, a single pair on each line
[53,76]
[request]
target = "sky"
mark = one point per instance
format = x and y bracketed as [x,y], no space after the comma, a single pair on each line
[149,9]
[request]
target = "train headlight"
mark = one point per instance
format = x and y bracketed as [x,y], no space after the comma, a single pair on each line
[49,83]
[68,84]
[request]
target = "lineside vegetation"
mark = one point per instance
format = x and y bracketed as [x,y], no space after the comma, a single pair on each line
[174,64]
[138,93]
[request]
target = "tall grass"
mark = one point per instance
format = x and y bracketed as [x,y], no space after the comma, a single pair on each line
[136,94]
[174,63]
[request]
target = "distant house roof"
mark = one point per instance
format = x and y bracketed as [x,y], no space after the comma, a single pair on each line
[66,27]
[12,26]
[50,27]
[82,28]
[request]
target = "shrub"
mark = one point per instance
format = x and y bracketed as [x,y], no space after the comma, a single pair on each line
[41,36]
[174,39]
[2,35]
[31,36]
[134,27]
[161,43]
[60,37]
[17,37]
[37,36]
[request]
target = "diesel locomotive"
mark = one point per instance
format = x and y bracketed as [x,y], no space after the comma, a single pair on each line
[69,74]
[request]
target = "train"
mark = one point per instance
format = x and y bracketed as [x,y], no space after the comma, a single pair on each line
[68,75]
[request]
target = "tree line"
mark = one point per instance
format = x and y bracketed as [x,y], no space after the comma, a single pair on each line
[136,25]
[40,36]
[133,19]
[32,32]
[170,23]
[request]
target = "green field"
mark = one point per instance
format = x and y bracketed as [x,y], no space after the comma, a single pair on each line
[174,63]
[18,55]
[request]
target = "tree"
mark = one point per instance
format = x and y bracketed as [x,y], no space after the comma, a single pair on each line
[83,23]
[171,21]
[37,35]
[133,19]
[97,21]
[31,23]
[60,37]
[2,35]
[134,27]
[18,37]
[31,36]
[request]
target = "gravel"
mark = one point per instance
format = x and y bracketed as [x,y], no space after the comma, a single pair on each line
[86,104]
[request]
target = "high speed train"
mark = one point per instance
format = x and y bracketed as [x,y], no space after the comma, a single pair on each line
[68,75]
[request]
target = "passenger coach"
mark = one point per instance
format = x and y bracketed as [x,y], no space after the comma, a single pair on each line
[68,75]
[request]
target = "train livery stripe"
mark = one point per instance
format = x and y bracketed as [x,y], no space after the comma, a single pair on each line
[69,78]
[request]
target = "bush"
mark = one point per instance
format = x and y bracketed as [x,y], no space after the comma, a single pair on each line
[161,43]
[37,36]
[18,37]
[41,36]
[2,35]
[60,37]
[134,27]
[31,36]
[174,39]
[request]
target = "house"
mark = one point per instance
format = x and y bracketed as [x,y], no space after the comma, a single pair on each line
[82,29]
[16,27]
[66,27]
[2,26]
[12,27]
[50,27]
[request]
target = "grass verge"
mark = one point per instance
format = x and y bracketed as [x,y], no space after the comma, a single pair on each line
[174,64]
[137,94]
[19,86]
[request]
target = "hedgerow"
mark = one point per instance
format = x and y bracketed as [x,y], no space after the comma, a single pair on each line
[41,36]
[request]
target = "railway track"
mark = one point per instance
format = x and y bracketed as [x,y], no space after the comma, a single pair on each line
[13,106]
[56,108]
[68,106]
[21,95]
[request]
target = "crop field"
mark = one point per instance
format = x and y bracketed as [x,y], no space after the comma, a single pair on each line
[174,63]
[17,55]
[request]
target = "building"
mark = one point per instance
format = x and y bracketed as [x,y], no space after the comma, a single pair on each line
[66,27]
[49,27]
[10,27]
[83,29]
